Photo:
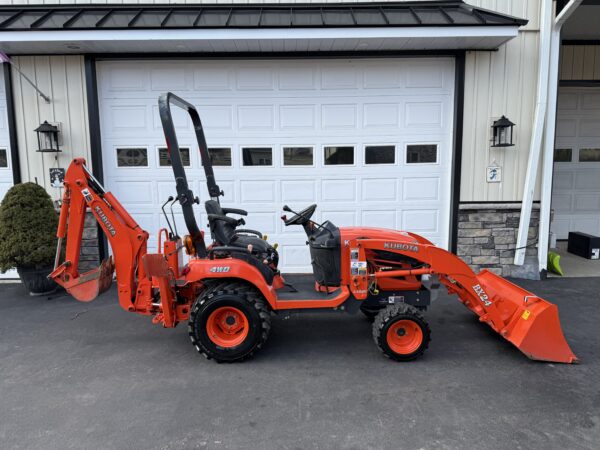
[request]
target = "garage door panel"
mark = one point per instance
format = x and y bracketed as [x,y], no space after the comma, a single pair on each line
[591,102]
[254,78]
[561,203]
[420,114]
[420,189]
[576,185]
[424,75]
[379,189]
[380,115]
[589,128]
[587,203]
[298,191]
[338,78]
[382,76]
[345,218]
[297,78]
[128,78]
[278,104]
[212,79]
[421,221]
[258,191]
[338,190]
[380,219]
[296,257]
[587,179]
[336,116]
[128,119]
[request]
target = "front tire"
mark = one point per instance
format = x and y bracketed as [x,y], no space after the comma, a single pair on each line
[401,332]
[229,322]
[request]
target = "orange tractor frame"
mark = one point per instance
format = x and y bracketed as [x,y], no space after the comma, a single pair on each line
[228,291]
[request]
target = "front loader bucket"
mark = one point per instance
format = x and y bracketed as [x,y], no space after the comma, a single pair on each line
[89,285]
[528,322]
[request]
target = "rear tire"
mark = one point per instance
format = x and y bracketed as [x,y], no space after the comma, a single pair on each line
[229,322]
[401,332]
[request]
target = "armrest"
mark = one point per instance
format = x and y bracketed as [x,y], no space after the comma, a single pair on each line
[230,220]
[239,212]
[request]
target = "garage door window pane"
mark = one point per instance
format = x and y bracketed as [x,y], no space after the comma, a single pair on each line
[297,156]
[421,153]
[220,156]
[164,160]
[589,155]
[339,155]
[380,154]
[3,158]
[258,156]
[132,157]
[563,155]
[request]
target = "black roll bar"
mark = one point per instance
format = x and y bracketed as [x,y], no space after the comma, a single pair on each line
[184,194]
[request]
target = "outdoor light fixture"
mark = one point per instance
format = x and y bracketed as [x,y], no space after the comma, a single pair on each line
[502,133]
[47,135]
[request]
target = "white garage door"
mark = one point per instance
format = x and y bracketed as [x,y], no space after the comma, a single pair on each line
[368,140]
[576,185]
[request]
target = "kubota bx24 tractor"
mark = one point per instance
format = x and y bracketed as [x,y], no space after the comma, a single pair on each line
[229,290]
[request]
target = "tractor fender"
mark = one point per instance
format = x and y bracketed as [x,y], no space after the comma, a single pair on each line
[205,269]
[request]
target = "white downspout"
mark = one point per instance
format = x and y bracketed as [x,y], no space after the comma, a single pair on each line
[538,130]
[546,28]
[548,162]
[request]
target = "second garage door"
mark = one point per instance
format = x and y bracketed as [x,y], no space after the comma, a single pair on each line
[368,140]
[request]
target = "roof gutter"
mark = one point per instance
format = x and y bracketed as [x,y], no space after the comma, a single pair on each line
[543,130]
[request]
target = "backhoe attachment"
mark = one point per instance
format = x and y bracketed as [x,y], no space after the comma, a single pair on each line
[128,241]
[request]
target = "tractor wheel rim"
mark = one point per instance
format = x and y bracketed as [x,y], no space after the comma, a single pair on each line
[404,337]
[227,327]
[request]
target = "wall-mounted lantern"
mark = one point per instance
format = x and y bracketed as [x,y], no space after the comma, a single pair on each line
[47,135]
[502,133]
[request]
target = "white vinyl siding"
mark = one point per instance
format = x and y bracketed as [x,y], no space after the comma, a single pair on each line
[62,78]
[266,106]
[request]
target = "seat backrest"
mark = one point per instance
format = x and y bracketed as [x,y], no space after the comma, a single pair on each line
[221,231]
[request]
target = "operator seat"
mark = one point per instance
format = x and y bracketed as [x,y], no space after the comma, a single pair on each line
[224,233]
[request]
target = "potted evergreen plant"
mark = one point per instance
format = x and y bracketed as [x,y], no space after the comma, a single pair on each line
[28,225]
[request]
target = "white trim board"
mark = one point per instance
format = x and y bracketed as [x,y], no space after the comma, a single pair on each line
[257,40]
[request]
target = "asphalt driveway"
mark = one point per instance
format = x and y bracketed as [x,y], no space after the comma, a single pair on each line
[75,375]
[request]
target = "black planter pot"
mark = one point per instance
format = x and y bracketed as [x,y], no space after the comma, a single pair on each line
[36,280]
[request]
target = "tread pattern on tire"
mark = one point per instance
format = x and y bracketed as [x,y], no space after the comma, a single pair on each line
[241,289]
[387,314]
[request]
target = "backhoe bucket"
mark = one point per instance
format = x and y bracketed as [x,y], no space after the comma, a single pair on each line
[89,285]
[528,322]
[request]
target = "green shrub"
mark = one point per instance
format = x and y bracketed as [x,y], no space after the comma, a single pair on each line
[28,225]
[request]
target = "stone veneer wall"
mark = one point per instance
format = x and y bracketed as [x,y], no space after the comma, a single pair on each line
[487,238]
[90,256]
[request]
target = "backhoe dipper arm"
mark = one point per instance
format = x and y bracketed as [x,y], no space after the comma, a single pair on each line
[127,240]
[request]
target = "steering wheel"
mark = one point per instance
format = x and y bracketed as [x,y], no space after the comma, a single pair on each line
[301,218]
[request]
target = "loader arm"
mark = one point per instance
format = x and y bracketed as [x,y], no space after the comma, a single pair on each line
[521,317]
[127,240]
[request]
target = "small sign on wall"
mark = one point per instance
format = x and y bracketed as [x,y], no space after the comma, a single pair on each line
[493,174]
[57,176]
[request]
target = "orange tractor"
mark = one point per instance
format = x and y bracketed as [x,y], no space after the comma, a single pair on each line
[229,290]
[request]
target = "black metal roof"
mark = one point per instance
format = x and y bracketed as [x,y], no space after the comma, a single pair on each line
[293,15]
